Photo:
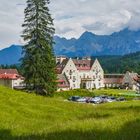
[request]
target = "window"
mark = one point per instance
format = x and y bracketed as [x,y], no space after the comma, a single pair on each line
[84,76]
[70,73]
[74,78]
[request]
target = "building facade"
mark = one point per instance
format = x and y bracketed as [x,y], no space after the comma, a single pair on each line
[84,73]
[130,81]
[88,74]
[126,81]
[11,78]
[113,80]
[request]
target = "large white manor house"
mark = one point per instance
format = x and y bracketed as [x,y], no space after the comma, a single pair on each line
[79,73]
[88,74]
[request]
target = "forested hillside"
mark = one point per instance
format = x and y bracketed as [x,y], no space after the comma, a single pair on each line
[121,64]
[111,64]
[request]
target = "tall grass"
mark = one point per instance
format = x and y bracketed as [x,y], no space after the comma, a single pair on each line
[30,117]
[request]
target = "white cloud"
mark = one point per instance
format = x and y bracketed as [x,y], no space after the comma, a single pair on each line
[11,18]
[72,17]
[97,16]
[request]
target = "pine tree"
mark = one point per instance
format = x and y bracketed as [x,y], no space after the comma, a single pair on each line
[38,62]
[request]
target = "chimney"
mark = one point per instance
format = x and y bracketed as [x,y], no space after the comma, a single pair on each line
[59,59]
[86,58]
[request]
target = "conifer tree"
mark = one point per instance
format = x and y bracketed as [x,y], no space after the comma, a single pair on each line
[38,62]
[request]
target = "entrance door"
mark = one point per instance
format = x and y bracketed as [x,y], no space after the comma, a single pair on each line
[84,85]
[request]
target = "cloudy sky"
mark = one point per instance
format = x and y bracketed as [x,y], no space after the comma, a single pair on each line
[72,17]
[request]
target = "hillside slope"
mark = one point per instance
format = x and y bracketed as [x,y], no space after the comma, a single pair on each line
[30,117]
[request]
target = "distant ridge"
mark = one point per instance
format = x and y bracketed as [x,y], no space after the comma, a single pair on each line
[11,55]
[88,44]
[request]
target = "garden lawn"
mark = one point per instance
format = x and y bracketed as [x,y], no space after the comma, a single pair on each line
[29,117]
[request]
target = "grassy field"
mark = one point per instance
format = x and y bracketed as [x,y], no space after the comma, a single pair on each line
[29,117]
[111,92]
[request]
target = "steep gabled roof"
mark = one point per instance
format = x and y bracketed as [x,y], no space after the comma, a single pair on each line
[83,64]
[9,71]
[137,78]
[60,67]
[11,74]
[132,76]
[114,75]
[113,78]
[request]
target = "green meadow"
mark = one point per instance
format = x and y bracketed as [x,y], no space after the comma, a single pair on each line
[110,92]
[25,116]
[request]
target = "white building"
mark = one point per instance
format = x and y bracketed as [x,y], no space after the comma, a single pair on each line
[85,73]
[11,78]
[130,81]
[113,80]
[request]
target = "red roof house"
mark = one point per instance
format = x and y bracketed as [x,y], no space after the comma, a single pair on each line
[10,78]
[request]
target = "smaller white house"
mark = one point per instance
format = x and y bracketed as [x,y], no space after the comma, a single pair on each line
[130,80]
[127,81]
[11,78]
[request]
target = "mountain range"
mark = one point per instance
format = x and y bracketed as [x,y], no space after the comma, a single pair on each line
[88,44]
[10,55]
